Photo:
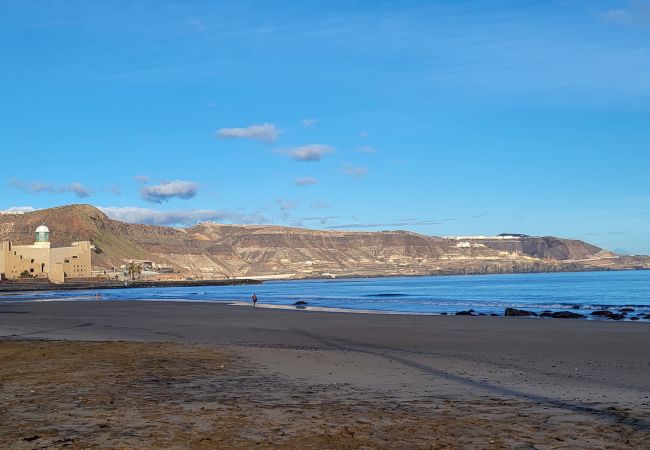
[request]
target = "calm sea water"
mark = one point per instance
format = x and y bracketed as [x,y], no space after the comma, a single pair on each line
[580,292]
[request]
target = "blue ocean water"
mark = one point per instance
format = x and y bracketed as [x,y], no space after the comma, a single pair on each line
[579,292]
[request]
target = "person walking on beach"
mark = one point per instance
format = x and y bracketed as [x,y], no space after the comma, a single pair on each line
[254,298]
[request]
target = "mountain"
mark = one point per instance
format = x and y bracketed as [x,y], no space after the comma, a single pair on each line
[214,250]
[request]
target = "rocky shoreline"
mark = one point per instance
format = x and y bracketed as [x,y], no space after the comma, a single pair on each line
[620,314]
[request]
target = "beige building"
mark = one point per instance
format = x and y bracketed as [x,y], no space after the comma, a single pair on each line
[40,260]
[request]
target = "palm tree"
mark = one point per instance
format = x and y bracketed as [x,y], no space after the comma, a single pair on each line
[134,270]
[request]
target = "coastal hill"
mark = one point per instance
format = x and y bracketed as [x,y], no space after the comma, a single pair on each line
[212,250]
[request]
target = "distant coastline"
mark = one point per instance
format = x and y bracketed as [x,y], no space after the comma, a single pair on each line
[6,286]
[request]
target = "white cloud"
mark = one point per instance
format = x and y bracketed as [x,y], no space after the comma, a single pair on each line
[167,190]
[264,132]
[37,187]
[309,123]
[183,217]
[354,171]
[311,152]
[78,189]
[306,181]
[18,210]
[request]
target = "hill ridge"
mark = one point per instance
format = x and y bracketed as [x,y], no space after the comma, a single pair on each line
[214,250]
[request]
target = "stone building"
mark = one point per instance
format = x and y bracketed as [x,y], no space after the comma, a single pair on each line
[41,260]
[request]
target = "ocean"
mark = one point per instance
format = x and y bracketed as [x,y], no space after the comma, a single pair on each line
[581,292]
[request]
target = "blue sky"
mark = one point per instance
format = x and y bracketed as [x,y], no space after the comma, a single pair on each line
[440,117]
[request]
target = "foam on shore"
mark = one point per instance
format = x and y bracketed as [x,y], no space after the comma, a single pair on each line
[336,310]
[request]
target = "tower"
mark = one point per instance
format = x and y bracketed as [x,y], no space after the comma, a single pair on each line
[42,237]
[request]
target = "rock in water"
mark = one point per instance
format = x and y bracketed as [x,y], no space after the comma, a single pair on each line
[602,313]
[567,315]
[300,303]
[514,312]
[466,313]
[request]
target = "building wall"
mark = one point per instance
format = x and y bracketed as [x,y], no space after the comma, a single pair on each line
[39,261]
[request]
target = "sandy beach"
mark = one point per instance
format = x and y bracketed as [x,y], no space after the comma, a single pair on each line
[204,375]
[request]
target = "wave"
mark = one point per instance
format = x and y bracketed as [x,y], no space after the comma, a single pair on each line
[387,295]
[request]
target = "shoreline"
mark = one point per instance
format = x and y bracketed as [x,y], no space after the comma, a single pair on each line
[9,286]
[308,308]
[640,317]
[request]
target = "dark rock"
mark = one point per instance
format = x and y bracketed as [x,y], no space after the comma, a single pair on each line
[646,316]
[626,310]
[567,315]
[514,312]
[575,307]
[634,318]
[602,313]
[300,303]
[546,314]
[617,316]
[466,313]
[494,315]
[443,314]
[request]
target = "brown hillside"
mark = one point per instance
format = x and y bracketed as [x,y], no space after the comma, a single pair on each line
[214,250]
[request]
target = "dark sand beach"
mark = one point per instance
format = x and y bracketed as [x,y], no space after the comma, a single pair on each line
[205,375]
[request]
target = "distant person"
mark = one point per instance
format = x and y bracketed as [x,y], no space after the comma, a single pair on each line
[254,298]
[97,296]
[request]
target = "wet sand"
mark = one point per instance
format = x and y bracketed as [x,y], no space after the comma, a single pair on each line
[200,375]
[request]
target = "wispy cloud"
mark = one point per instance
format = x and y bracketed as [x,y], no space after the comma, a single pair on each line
[309,123]
[364,134]
[182,217]
[114,189]
[355,171]
[37,187]
[142,179]
[167,190]
[306,181]
[264,132]
[637,13]
[319,205]
[286,205]
[406,223]
[320,220]
[311,152]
